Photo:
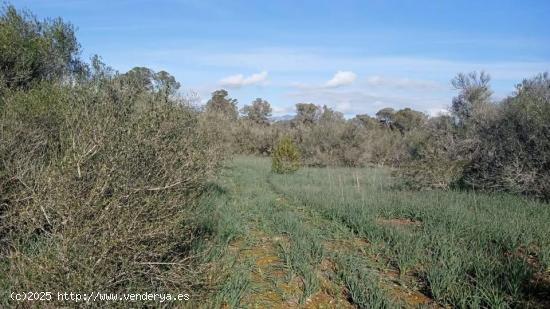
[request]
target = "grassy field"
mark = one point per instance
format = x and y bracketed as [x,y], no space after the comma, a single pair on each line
[339,237]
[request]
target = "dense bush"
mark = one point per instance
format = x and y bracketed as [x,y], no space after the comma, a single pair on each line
[514,144]
[99,177]
[253,138]
[101,172]
[436,157]
[493,146]
[97,189]
[285,157]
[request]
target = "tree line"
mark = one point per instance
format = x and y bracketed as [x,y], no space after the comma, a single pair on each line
[480,144]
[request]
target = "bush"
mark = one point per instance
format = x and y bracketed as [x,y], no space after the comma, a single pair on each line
[98,189]
[501,146]
[514,145]
[252,138]
[285,157]
[436,157]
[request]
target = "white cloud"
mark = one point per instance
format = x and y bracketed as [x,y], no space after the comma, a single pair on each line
[341,78]
[403,83]
[438,112]
[239,80]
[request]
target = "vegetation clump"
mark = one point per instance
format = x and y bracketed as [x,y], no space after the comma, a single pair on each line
[100,177]
[285,157]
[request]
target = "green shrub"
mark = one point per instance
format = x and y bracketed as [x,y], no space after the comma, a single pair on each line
[436,159]
[285,157]
[513,149]
[32,50]
[97,190]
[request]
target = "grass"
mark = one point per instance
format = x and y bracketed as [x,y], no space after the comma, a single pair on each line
[381,245]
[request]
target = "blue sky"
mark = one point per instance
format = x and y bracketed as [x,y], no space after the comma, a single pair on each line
[355,56]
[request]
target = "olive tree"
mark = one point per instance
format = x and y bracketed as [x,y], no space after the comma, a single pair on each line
[32,50]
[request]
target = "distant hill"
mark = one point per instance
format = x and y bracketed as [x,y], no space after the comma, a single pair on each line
[281,118]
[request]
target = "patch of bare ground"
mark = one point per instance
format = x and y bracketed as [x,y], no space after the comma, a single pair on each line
[321,300]
[330,294]
[353,244]
[404,295]
[269,287]
[273,286]
[404,289]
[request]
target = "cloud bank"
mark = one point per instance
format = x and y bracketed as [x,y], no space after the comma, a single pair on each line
[341,78]
[239,80]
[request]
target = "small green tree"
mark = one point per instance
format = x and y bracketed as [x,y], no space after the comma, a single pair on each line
[285,157]
[33,51]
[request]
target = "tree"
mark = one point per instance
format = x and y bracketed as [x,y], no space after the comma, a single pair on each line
[474,94]
[97,70]
[408,119]
[307,113]
[385,115]
[222,104]
[537,86]
[140,79]
[33,50]
[367,121]
[330,115]
[165,82]
[285,157]
[259,112]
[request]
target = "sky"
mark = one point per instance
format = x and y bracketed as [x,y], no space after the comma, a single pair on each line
[354,56]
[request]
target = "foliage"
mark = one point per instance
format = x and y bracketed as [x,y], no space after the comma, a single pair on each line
[307,113]
[406,120]
[219,120]
[366,121]
[285,157]
[83,172]
[104,180]
[32,51]
[436,156]
[223,105]
[474,94]
[259,112]
[385,115]
[253,138]
[514,145]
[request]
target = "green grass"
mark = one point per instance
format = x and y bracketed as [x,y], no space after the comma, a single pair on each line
[459,248]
